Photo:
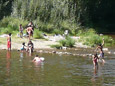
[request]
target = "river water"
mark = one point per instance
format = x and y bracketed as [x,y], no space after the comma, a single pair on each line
[17,69]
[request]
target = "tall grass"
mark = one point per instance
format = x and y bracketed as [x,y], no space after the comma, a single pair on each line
[91,38]
[10,24]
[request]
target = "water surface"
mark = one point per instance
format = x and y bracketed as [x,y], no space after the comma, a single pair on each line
[17,69]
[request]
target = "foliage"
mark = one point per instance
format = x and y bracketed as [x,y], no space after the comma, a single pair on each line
[90,13]
[12,23]
[56,46]
[5,8]
[68,42]
[89,37]
[38,34]
[57,31]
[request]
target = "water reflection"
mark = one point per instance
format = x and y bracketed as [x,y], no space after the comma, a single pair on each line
[97,76]
[39,66]
[21,56]
[56,70]
[8,56]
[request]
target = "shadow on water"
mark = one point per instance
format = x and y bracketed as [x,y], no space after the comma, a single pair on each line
[17,69]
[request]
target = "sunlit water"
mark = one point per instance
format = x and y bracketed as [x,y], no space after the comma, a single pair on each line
[17,69]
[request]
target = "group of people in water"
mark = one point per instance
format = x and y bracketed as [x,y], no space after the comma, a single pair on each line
[30,45]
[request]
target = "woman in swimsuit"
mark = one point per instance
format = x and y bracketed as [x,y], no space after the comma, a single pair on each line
[29,31]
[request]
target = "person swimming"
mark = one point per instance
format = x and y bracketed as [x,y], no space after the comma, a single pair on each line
[36,59]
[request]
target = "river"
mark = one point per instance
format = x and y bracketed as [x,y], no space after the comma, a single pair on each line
[17,69]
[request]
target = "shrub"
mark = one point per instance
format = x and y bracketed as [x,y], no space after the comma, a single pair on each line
[38,34]
[46,27]
[62,42]
[6,30]
[57,31]
[90,38]
[68,42]
[12,23]
[56,46]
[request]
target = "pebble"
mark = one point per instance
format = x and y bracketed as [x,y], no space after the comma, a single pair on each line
[53,51]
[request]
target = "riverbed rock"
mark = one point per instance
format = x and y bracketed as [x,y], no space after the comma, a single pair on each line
[113,52]
[109,52]
[53,51]
[105,49]
[64,48]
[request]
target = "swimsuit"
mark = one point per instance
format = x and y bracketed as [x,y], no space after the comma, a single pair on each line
[101,55]
[8,44]
[95,61]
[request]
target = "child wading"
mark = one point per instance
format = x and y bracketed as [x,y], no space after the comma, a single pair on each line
[23,46]
[9,41]
[95,61]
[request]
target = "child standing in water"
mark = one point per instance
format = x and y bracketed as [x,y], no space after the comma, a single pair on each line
[23,46]
[95,61]
[9,42]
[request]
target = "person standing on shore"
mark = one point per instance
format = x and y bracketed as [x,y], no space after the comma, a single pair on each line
[21,30]
[32,28]
[9,42]
[32,25]
[29,32]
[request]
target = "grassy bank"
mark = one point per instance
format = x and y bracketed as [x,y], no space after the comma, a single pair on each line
[91,38]
[87,36]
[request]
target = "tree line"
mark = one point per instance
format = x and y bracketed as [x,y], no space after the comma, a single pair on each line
[89,13]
